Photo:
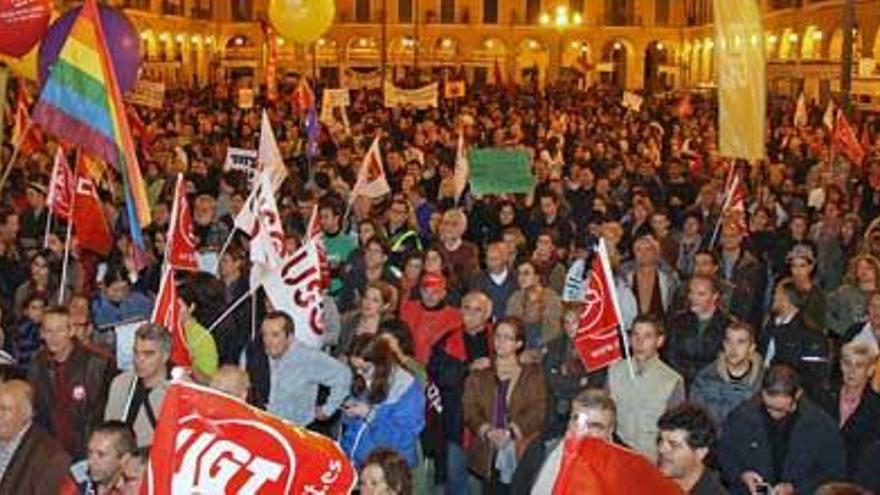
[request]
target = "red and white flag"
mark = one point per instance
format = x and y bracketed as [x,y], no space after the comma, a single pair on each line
[181,239]
[25,134]
[89,224]
[599,334]
[371,181]
[210,442]
[61,187]
[166,312]
[267,235]
[316,236]
[296,289]
[303,98]
[845,141]
[734,206]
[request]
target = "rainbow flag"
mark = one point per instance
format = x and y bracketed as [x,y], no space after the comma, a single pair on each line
[81,103]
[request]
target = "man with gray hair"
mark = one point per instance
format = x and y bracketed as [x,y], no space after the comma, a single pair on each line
[136,396]
[31,461]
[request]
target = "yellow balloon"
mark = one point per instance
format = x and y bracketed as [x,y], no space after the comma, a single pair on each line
[302,21]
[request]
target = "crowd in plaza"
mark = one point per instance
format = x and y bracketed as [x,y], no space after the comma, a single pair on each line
[448,361]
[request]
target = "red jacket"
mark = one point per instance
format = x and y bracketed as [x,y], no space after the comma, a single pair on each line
[427,326]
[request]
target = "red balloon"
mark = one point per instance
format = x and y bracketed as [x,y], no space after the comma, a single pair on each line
[22,24]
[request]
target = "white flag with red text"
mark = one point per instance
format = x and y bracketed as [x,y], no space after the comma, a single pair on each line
[296,289]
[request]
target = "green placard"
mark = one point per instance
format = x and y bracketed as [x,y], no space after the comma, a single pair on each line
[500,171]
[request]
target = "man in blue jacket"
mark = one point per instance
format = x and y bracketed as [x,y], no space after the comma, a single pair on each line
[780,440]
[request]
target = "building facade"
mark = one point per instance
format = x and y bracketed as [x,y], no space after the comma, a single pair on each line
[651,44]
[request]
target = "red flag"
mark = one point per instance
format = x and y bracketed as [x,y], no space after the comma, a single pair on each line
[592,466]
[61,187]
[597,339]
[181,240]
[209,442]
[25,134]
[166,312]
[139,130]
[845,142]
[866,138]
[303,97]
[91,228]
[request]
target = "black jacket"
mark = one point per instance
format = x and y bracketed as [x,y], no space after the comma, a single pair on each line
[708,484]
[687,349]
[861,430]
[814,454]
[868,474]
[749,279]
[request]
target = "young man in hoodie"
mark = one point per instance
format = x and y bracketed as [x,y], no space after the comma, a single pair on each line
[734,377]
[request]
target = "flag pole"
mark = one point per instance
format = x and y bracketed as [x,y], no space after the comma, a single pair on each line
[14,157]
[48,227]
[232,308]
[67,237]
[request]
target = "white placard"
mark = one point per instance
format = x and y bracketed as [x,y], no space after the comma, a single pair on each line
[125,343]
[240,159]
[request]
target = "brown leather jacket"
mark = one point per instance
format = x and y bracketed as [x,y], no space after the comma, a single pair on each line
[38,467]
[526,407]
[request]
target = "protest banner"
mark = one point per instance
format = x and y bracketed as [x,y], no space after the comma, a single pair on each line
[147,94]
[241,159]
[424,97]
[632,101]
[500,171]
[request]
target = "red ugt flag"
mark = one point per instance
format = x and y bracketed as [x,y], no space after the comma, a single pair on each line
[91,228]
[166,312]
[209,442]
[62,186]
[597,338]
[181,240]
[592,466]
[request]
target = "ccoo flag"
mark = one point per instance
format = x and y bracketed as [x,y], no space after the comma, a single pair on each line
[740,72]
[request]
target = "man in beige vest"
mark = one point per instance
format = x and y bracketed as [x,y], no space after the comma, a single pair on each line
[136,396]
[644,395]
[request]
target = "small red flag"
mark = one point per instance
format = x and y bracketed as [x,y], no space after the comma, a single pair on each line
[166,312]
[181,240]
[210,442]
[597,339]
[61,187]
[845,142]
[303,97]
[89,224]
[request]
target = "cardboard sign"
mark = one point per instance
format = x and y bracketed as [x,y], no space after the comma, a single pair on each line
[147,94]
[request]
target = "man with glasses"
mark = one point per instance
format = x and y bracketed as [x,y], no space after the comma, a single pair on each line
[402,237]
[780,440]
[71,383]
[593,414]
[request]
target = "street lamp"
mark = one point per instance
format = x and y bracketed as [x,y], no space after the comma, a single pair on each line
[560,20]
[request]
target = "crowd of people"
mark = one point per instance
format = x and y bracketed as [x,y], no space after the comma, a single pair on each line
[449,360]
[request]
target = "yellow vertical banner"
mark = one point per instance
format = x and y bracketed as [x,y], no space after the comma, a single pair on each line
[740,72]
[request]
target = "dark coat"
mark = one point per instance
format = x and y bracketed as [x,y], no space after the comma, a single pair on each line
[814,455]
[803,349]
[498,294]
[861,430]
[687,349]
[88,369]
[868,474]
[38,467]
[749,279]
[708,484]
